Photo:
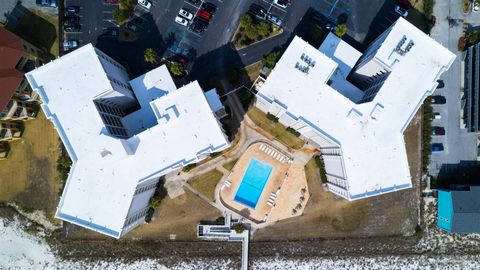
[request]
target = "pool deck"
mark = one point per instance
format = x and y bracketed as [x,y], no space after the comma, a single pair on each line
[287,180]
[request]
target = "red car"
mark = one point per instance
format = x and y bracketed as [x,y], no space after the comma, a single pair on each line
[203,14]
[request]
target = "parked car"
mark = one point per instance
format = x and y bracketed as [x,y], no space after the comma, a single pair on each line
[48,3]
[209,7]
[438,99]
[437,115]
[475,6]
[198,25]
[437,147]
[70,44]
[438,131]
[281,3]
[258,11]
[71,20]
[181,21]
[145,4]
[72,10]
[401,11]
[185,14]
[194,1]
[441,84]
[203,14]
[131,27]
[111,32]
[72,28]
[274,19]
[330,27]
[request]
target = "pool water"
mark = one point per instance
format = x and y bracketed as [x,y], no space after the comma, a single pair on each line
[253,182]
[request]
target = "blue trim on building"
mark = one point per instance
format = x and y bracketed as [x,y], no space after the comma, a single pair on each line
[445,210]
[264,97]
[291,115]
[89,225]
[379,191]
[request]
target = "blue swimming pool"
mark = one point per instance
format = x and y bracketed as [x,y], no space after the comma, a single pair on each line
[253,182]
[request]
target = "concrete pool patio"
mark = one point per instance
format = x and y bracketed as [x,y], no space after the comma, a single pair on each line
[285,193]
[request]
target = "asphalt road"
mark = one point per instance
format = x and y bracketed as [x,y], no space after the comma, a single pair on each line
[459,144]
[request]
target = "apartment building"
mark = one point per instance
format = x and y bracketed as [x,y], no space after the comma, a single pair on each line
[121,135]
[17,102]
[354,107]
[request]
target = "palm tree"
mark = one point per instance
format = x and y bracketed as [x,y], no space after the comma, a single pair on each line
[341,30]
[150,56]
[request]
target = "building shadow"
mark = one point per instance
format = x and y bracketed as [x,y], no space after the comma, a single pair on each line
[384,18]
[33,29]
[131,53]
[463,173]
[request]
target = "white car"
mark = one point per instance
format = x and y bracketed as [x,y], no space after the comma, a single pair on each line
[437,115]
[181,20]
[475,6]
[281,3]
[145,3]
[185,14]
[401,11]
[70,44]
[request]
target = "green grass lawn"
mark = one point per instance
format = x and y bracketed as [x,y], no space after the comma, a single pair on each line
[229,165]
[275,129]
[206,183]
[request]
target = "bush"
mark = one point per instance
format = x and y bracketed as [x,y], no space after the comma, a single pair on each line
[293,131]
[149,215]
[272,117]
[215,154]
[64,164]
[263,29]
[188,167]
[238,227]
[426,133]
[220,221]
[321,167]
[119,15]
[155,202]
[245,21]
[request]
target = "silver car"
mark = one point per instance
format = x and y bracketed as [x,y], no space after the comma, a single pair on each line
[70,44]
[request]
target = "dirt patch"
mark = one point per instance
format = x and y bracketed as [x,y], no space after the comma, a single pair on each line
[29,176]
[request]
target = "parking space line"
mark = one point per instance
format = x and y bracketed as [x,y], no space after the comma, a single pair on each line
[190,4]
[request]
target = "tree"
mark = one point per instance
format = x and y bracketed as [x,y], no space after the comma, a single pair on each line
[341,30]
[119,15]
[263,29]
[150,56]
[251,32]
[127,4]
[472,36]
[239,228]
[175,68]
[271,59]
[245,21]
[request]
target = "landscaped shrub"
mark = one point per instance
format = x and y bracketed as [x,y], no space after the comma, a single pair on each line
[149,215]
[64,163]
[250,30]
[220,221]
[215,154]
[189,167]
[321,167]
[272,117]
[426,133]
[238,227]
[293,131]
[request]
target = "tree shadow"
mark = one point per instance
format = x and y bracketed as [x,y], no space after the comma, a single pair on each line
[33,29]
[131,53]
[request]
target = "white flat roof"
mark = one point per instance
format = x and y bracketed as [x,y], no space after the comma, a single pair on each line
[105,173]
[372,143]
